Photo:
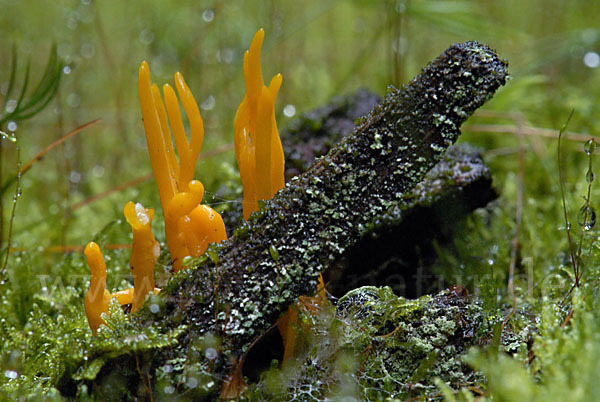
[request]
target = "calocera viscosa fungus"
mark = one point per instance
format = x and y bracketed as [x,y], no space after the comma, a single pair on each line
[257,144]
[144,252]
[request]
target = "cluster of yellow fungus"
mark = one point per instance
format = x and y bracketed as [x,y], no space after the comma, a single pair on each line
[144,254]
[190,226]
[257,145]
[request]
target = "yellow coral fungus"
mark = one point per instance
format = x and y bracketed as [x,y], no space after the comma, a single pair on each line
[179,194]
[257,144]
[97,297]
[145,251]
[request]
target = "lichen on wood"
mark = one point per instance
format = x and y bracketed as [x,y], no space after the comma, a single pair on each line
[240,288]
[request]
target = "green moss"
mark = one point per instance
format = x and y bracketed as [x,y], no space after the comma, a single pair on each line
[376,345]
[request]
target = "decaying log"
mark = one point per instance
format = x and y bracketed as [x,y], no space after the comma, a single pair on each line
[240,291]
[399,250]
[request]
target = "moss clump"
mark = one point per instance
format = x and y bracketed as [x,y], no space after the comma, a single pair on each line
[377,345]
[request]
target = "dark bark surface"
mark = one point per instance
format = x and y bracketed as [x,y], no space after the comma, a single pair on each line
[249,281]
[399,250]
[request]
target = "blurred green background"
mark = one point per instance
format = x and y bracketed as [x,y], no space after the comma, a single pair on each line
[322,48]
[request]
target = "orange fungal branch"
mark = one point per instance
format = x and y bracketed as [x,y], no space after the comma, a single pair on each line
[257,144]
[144,253]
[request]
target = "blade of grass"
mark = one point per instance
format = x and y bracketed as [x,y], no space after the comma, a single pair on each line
[562,194]
[43,93]
[11,219]
[11,81]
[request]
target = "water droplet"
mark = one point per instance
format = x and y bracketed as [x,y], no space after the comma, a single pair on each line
[74,177]
[586,217]
[73,100]
[225,55]
[98,171]
[192,382]
[141,214]
[186,260]
[208,15]
[87,50]
[289,110]
[9,137]
[72,22]
[12,126]
[400,45]
[591,59]
[66,70]
[400,7]
[589,147]
[11,374]
[146,36]
[169,389]
[11,105]
[209,103]
[154,308]
[53,209]
[211,353]
[274,253]
[589,176]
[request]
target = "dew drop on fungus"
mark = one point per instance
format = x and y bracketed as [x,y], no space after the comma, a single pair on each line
[586,217]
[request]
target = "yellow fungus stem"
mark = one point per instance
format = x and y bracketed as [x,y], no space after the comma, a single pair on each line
[97,297]
[145,251]
[157,149]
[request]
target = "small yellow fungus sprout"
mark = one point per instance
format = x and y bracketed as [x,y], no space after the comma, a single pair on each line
[180,196]
[97,297]
[145,251]
[257,144]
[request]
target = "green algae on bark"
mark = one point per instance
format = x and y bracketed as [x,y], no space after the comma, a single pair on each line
[240,288]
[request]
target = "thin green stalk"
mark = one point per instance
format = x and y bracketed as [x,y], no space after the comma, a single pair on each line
[12,216]
[564,202]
